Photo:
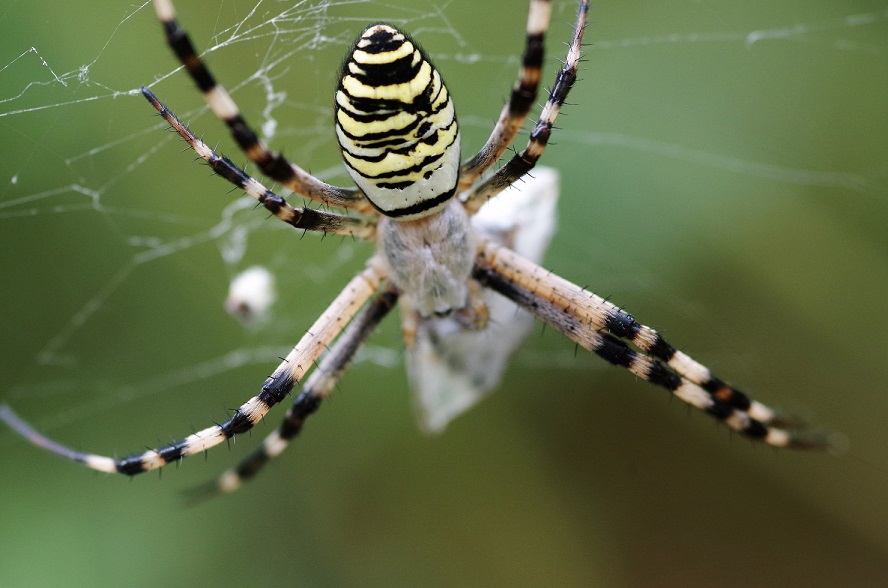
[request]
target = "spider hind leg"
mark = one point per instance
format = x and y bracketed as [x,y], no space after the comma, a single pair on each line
[274,165]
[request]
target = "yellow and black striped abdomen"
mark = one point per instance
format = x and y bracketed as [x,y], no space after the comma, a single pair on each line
[396,125]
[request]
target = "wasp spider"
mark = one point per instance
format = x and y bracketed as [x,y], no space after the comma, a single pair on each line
[457,275]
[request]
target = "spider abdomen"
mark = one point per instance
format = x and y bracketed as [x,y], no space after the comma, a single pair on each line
[396,125]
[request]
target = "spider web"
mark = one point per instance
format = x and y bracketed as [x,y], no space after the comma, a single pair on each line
[83,150]
[118,252]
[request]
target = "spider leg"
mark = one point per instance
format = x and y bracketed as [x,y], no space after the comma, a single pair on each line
[274,390]
[598,325]
[301,218]
[524,161]
[316,388]
[274,165]
[524,93]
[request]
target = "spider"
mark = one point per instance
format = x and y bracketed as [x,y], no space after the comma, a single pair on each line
[454,271]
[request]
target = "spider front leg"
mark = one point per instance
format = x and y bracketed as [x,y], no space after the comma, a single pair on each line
[276,387]
[598,325]
[318,386]
[274,165]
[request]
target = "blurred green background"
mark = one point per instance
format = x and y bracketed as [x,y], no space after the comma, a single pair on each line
[725,177]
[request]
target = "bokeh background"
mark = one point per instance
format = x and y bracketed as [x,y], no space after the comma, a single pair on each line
[725,177]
